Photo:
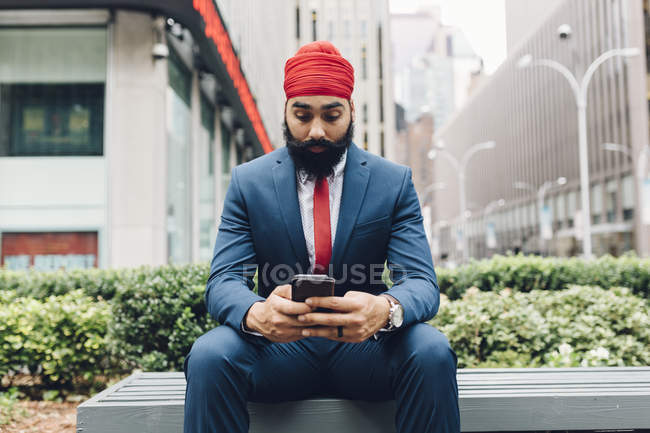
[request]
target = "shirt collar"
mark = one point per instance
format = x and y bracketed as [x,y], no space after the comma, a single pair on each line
[304,177]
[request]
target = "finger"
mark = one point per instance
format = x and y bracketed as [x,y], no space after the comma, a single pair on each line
[322,331]
[337,303]
[283,291]
[289,307]
[292,322]
[327,319]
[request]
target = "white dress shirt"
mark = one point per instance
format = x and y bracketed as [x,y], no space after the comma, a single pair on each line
[305,186]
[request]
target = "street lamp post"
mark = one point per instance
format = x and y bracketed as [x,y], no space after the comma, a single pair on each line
[540,192]
[580,93]
[460,167]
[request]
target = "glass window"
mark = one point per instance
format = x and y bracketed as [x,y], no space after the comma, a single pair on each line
[627,199]
[596,203]
[225,159]
[179,136]
[560,211]
[612,200]
[572,208]
[207,218]
[52,119]
[52,95]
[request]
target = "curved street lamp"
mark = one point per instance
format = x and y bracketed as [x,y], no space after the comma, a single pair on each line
[460,167]
[580,93]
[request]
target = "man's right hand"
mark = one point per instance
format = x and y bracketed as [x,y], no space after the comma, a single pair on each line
[276,317]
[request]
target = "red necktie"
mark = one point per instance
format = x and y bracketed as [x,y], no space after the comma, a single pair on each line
[322,230]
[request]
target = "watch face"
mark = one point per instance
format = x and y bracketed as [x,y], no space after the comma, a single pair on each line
[398,316]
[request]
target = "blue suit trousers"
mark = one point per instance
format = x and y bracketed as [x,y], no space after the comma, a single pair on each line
[414,366]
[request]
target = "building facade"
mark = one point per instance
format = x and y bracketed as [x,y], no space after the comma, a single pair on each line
[436,65]
[119,126]
[120,122]
[531,114]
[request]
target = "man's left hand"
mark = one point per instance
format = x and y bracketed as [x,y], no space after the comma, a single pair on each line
[361,315]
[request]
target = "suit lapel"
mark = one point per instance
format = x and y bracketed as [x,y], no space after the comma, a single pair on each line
[355,182]
[284,179]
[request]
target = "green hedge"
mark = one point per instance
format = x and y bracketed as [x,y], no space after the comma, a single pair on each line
[157,315]
[39,285]
[149,317]
[526,273]
[580,326]
[62,339]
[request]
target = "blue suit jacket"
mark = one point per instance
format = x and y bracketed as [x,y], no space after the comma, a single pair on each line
[379,221]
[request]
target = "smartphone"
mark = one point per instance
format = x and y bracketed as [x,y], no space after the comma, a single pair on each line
[304,286]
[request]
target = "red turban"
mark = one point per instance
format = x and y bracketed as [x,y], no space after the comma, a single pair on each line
[318,69]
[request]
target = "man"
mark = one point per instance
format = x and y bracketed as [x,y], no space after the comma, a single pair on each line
[321,205]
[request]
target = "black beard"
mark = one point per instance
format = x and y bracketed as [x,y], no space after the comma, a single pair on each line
[317,164]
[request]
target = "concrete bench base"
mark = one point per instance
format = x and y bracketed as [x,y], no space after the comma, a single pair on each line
[490,400]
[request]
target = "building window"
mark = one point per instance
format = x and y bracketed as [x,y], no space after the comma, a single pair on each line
[627,199]
[382,146]
[364,63]
[381,102]
[225,159]
[365,113]
[52,119]
[207,218]
[365,140]
[572,208]
[313,25]
[52,91]
[364,29]
[450,46]
[612,200]
[298,22]
[380,52]
[179,136]
[596,203]
[560,213]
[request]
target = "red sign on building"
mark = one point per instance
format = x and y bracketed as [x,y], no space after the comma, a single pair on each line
[49,251]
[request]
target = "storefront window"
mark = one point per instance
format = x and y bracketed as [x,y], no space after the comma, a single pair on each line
[207,223]
[179,121]
[52,96]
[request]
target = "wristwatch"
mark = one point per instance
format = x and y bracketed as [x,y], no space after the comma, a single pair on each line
[395,316]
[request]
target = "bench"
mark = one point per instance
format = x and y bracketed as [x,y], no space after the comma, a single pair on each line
[490,400]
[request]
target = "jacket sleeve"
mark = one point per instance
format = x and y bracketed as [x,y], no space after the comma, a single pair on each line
[229,292]
[409,259]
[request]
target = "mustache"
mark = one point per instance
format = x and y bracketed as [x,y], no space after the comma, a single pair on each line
[320,142]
